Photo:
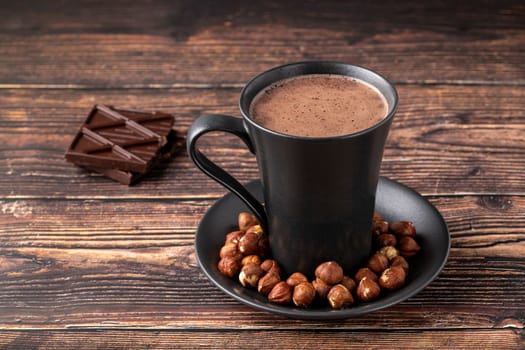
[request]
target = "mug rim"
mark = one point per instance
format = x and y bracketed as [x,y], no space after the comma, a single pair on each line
[290,66]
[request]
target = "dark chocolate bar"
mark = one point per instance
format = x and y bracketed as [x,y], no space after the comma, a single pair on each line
[174,145]
[119,139]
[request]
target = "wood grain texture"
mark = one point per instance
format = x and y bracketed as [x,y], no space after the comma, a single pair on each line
[88,263]
[306,338]
[441,142]
[165,43]
[64,264]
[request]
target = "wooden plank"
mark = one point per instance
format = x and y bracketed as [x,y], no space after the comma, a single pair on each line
[444,140]
[64,264]
[425,339]
[169,43]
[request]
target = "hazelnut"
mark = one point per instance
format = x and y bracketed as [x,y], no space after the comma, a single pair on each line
[385,239]
[321,288]
[349,283]
[248,244]
[246,220]
[263,247]
[281,293]
[250,274]
[377,216]
[339,296]
[270,265]
[367,290]
[389,251]
[251,259]
[392,278]
[408,247]
[365,272]
[403,228]
[257,229]
[267,282]
[229,266]
[230,249]
[401,262]
[379,227]
[234,237]
[303,294]
[377,263]
[330,272]
[296,278]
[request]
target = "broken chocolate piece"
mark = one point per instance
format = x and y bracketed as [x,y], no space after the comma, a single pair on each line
[120,139]
[175,144]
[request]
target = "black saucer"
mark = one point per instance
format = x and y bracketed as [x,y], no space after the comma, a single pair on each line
[395,201]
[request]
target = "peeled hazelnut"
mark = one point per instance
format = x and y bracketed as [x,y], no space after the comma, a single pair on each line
[303,294]
[408,247]
[234,237]
[385,239]
[296,278]
[267,282]
[229,266]
[251,259]
[270,265]
[230,249]
[389,251]
[401,262]
[403,228]
[246,220]
[330,272]
[392,278]
[281,293]
[339,296]
[377,263]
[349,283]
[248,244]
[367,290]
[250,274]
[365,272]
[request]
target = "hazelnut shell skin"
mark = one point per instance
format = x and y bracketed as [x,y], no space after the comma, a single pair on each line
[400,261]
[408,247]
[349,283]
[281,293]
[296,278]
[250,274]
[267,282]
[321,288]
[365,272]
[392,278]
[367,290]
[339,297]
[403,228]
[330,272]
[377,263]
[386,239]
[229,266]
[246,220]
[303,294]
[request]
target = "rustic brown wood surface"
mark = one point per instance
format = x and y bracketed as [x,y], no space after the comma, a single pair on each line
[88,263]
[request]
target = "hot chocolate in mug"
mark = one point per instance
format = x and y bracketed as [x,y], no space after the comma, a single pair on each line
[319,191]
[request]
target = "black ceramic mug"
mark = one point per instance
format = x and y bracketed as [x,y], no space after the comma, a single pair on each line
[319,192]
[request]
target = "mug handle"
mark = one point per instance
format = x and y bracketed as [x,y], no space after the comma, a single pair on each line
[235,126]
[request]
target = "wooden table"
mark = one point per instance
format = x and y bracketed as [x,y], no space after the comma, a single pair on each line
[88,263]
